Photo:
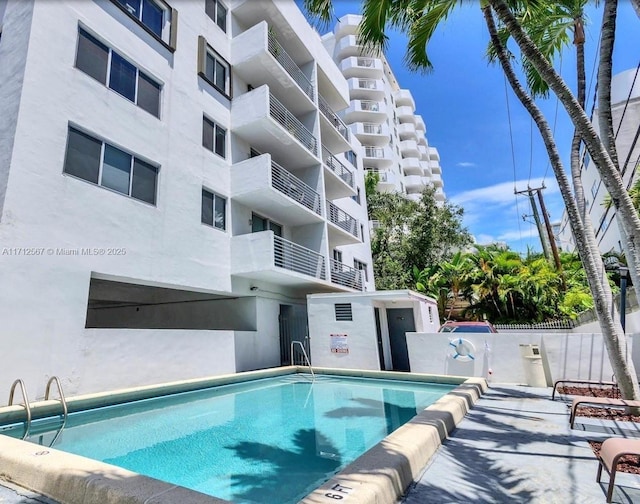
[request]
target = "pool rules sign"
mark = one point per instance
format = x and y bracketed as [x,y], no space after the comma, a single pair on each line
[339,344]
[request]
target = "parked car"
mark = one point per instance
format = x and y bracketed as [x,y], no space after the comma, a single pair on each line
[468,327]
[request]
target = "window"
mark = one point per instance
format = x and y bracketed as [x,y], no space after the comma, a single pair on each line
[103,164]
[351,157]
[108,67]
[337,255]
[594,189]
[213,68]
[356,198]
[155,16]
[359,265]
[343,311]
[218,12]
[214,137]
[259,224]
[214,210]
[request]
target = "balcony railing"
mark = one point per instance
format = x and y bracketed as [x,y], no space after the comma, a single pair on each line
[372,128]
[295,188]
[281,56]
[333,118]
[366,62]
[342,219]
[367,84]
[372,106]
[338,168]
[374,152]
[341,274]
[294,257]
[291,123]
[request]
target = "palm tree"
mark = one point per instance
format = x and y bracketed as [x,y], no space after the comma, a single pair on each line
[419,18]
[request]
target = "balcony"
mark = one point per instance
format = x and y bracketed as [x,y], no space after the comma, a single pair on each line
[368,68]
[335,133]
[339,180]
[366,89]
[365,111]
[258,57]
[414,196]
[436,180]
[387,179]
[411,166]
[347,25]
[348,46]
[433,154]
[267,125]
[407,131]
[409,149]
[377,157]
[439,195]
[420,124]
[435,167]
[343,229]
[344,275]
[424,152]
[373,134]
[414,182]
[403,97]
[264,186]
[267,257]
[406,114]
[426,168]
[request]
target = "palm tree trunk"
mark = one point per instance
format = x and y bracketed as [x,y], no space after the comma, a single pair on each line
[611,329]
[636,6]
[609,174]
[576,142]
[605,119]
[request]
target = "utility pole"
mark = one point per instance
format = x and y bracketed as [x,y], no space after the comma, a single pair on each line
[536,217]
[552,240]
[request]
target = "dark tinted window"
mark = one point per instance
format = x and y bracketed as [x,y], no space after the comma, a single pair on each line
[148,94]
[83,156]
[152,16]
[92,57]
[123,77]
[219,207]
[208,129]
[221,136]
[144,182]
[116,169]
[207,207]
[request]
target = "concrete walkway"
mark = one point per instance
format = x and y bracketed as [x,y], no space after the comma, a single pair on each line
[515,445]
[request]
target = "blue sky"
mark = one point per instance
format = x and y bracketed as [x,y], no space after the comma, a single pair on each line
[464,105]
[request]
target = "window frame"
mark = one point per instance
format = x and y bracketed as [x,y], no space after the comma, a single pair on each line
[216,20]
[215,195]
[139,73]
[216,127]
[204,50]
[362,266]
[172,21]
[133,157]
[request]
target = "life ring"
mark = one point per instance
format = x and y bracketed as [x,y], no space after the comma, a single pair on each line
[463,350]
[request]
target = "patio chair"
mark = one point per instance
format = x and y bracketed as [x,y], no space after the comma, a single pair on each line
[610,453]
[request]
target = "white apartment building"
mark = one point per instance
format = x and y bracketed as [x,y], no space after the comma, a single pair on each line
[625,100]
[174,180]
[383,117]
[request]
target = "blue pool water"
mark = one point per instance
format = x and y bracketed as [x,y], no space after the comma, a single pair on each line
[267,441]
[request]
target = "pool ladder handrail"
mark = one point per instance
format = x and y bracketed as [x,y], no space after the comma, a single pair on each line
[26,404]
[306,357]
[63,401]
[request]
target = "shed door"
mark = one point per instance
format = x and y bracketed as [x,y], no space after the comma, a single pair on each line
[400,322]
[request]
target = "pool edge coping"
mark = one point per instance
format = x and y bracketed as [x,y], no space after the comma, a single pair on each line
[379,476]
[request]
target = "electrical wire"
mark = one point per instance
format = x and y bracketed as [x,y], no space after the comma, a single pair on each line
[513,155]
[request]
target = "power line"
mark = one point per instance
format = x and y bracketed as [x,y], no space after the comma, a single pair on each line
[513,155]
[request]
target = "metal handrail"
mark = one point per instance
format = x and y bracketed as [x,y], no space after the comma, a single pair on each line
[367,84]
[291,123]
[306,357]
[296,189]
[372,128]
[333,118]
[370,105]
[63,401]
[26,404]
[294,257]
[366,62]
[342,219]
[374,152]
[345,275]
[338,167]
[282,57]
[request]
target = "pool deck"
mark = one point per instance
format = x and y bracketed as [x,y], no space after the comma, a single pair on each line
[515,445]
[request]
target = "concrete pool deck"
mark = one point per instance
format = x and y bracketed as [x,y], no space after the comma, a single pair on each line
[514,445]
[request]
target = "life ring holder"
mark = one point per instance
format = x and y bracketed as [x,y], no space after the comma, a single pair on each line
[464,350]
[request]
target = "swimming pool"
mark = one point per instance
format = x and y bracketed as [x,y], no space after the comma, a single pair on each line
[269,440]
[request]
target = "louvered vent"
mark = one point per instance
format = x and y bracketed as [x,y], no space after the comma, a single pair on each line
[343,311]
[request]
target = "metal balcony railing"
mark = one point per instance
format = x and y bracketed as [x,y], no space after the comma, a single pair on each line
[294,257]
[341,274]
[333,118]
[367,84]
[374,152]
[372,128]
[338,167]
[296,189]
[384,176]
[342,219]
[366,62]
[281,56]
[291,123]
[372,106]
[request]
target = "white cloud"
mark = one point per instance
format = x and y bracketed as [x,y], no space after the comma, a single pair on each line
[466,164]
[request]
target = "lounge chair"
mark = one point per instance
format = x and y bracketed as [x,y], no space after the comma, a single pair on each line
[610,452]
